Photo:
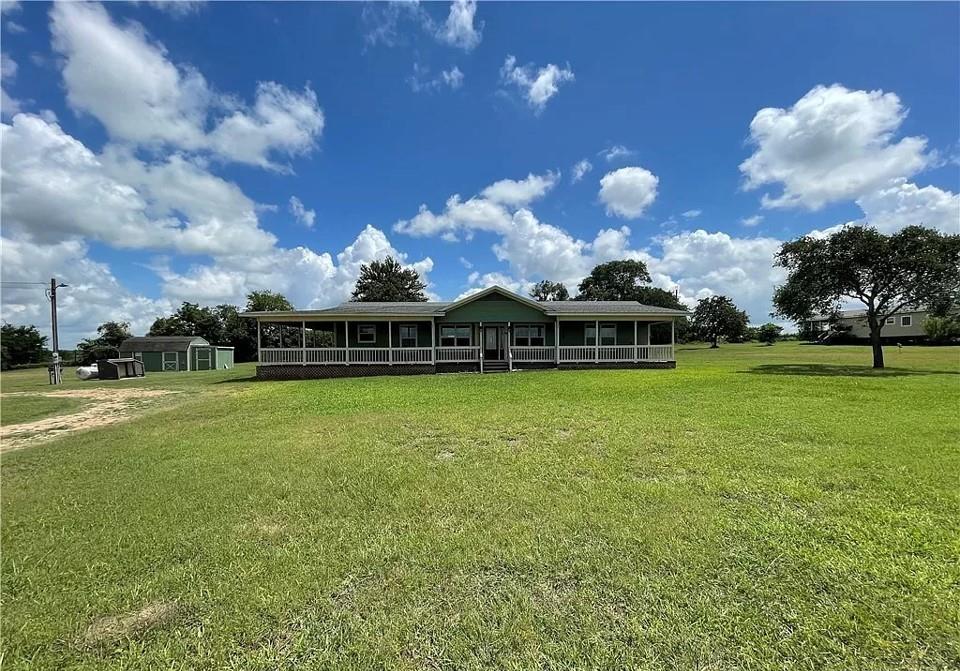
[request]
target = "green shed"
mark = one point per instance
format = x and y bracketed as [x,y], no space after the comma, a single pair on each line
[176,353]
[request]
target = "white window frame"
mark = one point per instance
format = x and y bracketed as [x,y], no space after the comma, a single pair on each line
[589,326]
[138,356]
[407,339]
[891,320]
[362,333]
[456,339]
[906,320]
[608,325]
[523,335]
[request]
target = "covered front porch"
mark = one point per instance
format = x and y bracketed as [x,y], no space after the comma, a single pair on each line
[483,346]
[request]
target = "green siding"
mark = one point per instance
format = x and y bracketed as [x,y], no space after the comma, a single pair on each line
[423,333]
[152,362]
[572,333]
[494,308]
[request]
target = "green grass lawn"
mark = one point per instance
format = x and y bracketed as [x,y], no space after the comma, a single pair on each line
[20,409]
[757,508]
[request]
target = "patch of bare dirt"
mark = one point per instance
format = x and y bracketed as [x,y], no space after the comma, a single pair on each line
[107,406]
[113,628]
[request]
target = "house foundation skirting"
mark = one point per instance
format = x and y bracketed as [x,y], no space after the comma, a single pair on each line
[618,364]
[297,372]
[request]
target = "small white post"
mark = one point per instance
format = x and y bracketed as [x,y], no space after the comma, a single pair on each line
[346,342]
[280,333]
[596,341]
[259,359]
[649,344]
[509,349]
[303,340]
[433,341]
[390,342]
[482,343]
[636,348]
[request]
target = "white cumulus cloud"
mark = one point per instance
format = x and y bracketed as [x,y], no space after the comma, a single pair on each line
[537,86]
[301,213]
[459,30]
[833,144]
[628,192]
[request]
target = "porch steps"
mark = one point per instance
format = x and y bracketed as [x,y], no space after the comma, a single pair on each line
[495,367]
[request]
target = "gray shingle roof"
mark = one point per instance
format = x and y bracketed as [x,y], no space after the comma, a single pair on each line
[160,343]
[600,307]
[422,308]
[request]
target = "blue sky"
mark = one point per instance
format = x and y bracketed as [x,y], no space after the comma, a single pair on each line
[151,150]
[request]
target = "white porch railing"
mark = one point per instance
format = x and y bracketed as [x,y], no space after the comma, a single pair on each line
[616,353]
[458,354]
[277,355]
[319,356]
[533,353]
[412,355]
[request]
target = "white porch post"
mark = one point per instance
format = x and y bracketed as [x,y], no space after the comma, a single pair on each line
[346,342]
[303,341]
[649,344]
[673,323]
[596,341]
[636,345]
[509,349]
[390,342]
[556,340]
[433,341]
[259,359]
[480,342]
[280,333]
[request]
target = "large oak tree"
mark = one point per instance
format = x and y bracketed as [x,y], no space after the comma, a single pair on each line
[387,281]
[916,266]
[717,317]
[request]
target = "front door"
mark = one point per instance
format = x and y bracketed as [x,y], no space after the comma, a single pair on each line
[491,343]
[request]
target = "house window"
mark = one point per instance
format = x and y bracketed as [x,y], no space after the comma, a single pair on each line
[408,335]
[366,333]
[528,335]
[138,356]
[608,334]
[906,320]
[455,335]
[890,320]
[589,334]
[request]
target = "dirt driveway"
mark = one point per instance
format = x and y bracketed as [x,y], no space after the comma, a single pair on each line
[106,406]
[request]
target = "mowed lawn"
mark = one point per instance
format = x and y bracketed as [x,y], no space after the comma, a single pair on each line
[757,508]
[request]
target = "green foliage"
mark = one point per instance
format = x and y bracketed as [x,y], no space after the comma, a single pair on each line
[614,281]
[915,266]
[388,281]
[191,320]
[942,329]
[267,301]
[769,333]
[546,290]
[107,343]
[21,345]
[717,317]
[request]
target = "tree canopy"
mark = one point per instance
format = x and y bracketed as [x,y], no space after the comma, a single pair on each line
[769,333]
[107,343]
[388,281]
[21,344]
[614,281]
[916,266]
[546,290]
[717,317]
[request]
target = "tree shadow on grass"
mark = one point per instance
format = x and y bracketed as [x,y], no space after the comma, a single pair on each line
[834,370]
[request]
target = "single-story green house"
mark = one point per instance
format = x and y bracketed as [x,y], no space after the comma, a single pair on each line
[175,353]
[489,331]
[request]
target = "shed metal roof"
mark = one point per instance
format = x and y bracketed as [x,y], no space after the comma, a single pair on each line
[160,343]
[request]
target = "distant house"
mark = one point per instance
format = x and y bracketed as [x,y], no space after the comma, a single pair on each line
[490,331]
[851,326]
[175,353]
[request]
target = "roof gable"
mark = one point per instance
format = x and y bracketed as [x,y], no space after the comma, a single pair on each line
[495,289]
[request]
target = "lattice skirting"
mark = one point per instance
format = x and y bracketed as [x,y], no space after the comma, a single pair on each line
[296,372]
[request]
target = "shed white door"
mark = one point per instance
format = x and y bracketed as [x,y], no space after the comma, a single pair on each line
[171,361]
[203,358]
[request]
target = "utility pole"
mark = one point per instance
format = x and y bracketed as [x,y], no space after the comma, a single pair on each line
[55,373]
